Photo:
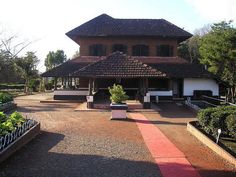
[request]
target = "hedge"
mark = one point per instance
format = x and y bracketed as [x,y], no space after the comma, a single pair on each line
[5,97]
[11,86]
[211,119]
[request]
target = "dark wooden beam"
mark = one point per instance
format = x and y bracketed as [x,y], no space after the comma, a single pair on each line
[90,86]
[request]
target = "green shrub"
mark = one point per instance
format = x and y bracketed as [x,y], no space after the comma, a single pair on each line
[211,119]
[218,119]
[9,124]
[16,118]
[231,124]
[5,97]
[34,84]
[49,86]
[11,86]
[204,118]
[6,127]
[3,117]
[118,95]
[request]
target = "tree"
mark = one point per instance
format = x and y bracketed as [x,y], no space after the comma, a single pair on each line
[10,47]
[77,54]
[54,59]
[218,53]
[189,49]
[26,66]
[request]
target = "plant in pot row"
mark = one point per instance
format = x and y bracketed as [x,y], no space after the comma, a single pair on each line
[118,106]
[6,100]
[10,123]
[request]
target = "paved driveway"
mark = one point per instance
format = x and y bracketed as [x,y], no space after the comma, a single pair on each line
[171,119]
[79,144]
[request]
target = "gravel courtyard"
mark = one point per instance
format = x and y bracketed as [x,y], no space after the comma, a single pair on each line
[80,144]
[88,144]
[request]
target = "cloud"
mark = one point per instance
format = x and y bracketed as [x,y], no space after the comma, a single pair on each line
[215,10]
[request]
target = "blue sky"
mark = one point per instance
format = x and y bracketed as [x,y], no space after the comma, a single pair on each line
[46,21]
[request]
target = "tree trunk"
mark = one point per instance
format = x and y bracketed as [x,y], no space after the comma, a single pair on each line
[26,90]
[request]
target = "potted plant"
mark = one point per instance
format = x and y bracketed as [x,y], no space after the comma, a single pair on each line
[118,107]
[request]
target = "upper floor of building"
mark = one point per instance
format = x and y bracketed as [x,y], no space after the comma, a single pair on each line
[136,37]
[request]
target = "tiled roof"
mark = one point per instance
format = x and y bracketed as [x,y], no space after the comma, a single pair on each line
[64,69]
[105,25]
[172,66]
[159,60]
[184,70]
[118,65]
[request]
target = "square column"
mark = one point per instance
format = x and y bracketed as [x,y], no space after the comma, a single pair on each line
[90,94]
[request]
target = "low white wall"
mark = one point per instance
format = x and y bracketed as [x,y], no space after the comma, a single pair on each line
[191,84]
[71,92]
[161,93]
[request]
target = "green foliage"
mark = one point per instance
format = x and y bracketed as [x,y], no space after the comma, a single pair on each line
[218,52]
[231,124]
[118,95]
[17,119]
[204,118]
[11,86]
[10,123]
[3,117]
[211,119]
[49,85]
[54,59]
[26,66]
[189,49]
[5,97]
[34,84]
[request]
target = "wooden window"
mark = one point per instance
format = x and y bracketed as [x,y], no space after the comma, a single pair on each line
[119,47]
[97,50]
[140,50]
[165,50]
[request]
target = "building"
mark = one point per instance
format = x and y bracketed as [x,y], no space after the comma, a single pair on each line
[140,54]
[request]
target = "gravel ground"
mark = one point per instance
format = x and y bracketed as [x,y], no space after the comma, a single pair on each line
[79,144]
[172,120]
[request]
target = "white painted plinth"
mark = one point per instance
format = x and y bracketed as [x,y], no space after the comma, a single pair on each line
[118,114]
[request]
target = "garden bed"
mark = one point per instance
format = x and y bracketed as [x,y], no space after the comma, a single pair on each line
[5,107]
[13,141]
[221,148]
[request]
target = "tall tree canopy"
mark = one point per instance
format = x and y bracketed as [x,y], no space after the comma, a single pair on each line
[54,59]
[26,67]
[190,49]
[10,48]
[218,53]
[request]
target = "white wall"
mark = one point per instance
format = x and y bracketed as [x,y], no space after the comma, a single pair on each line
[71,92]
[161,93]
[191,84]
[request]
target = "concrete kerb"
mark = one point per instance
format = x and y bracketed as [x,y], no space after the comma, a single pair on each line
[20,142]
[211,144]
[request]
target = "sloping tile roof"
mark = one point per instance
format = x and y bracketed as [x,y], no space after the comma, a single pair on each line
[173,67]
[159,60]
[105,25]
[70,66]
[118,65]
[184,70]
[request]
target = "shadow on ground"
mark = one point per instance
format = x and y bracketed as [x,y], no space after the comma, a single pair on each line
[171,110]
[35,159]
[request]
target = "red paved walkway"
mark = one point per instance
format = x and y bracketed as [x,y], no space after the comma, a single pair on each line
[171,161]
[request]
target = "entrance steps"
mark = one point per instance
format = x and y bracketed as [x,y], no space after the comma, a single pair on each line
[133,104]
